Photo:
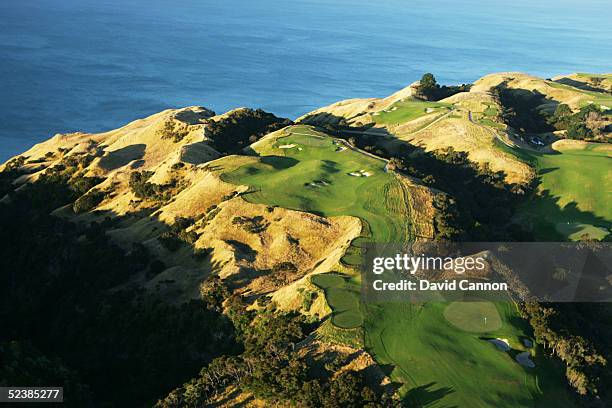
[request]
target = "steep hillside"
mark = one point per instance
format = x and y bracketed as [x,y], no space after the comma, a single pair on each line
[557,91]
[243,235]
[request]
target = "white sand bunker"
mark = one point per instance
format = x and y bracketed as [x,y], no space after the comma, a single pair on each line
[524,359]
[289,146]
[376,113]
[318,183]
[429,110]
[360,173]
[501,344]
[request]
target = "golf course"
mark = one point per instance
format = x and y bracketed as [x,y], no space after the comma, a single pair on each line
[310,171]
[442,355]
[438,351]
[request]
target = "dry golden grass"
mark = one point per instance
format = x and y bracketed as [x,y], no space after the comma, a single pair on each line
[306,240]
[420,201]
[234,397]
[601,81]
[568,144]
[476,140]
[475,101]
[562,94]
[355,110]
[347,358]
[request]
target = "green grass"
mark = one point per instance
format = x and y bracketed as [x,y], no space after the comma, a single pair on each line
[491,110]
[285,177]
[443,366]
[573,194]
[488,115]
[475,317]
[440,364]
[405,111]
[491,123]
[343,297]
[330,333]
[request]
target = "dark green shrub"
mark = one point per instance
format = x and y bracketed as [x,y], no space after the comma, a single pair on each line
[88,201]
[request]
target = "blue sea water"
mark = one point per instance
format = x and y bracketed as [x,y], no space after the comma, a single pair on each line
[93,65]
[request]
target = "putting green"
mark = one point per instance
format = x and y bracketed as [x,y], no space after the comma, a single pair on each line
[474,317]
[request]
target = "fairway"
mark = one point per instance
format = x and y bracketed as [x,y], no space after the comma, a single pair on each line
[407,110]
[321,175]
[343,297]
[443,366]
[574,193]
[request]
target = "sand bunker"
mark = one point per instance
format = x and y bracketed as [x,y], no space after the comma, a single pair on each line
[524,359]
[501,344]
[289,146]
[360,173]
[318,183]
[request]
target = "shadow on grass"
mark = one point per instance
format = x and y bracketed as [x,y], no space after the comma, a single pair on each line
[579,84]
[425,395]
[546,212]
[548,170]
[120,157]
[279,162]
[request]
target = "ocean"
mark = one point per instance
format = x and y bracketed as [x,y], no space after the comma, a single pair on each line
[68,65]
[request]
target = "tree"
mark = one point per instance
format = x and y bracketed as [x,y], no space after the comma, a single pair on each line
[428,86]
[428,81]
